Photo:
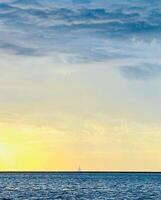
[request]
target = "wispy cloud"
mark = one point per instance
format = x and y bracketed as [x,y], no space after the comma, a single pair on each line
[143,71]
[72,27]
[77,47]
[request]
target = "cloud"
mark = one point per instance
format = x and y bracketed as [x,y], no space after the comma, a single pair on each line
[72,27]
[143,71]
[20,50]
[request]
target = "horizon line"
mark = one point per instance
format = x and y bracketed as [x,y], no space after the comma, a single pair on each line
[77,172]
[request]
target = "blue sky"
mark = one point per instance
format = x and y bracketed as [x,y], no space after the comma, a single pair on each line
[124,36]
[91,30]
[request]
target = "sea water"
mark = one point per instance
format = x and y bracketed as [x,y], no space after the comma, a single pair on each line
[81,186]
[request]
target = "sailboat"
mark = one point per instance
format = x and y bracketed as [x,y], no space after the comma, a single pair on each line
[79,168]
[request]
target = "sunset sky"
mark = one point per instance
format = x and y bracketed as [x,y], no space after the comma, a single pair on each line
[80,84]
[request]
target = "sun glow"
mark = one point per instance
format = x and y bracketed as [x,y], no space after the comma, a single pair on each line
[26,147]
[6,156]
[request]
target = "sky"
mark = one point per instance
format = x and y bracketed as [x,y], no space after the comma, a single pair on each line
[80,85]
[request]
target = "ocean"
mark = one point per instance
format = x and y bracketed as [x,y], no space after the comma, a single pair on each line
[81,186]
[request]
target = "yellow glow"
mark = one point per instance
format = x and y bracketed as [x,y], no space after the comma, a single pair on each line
[97,145]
